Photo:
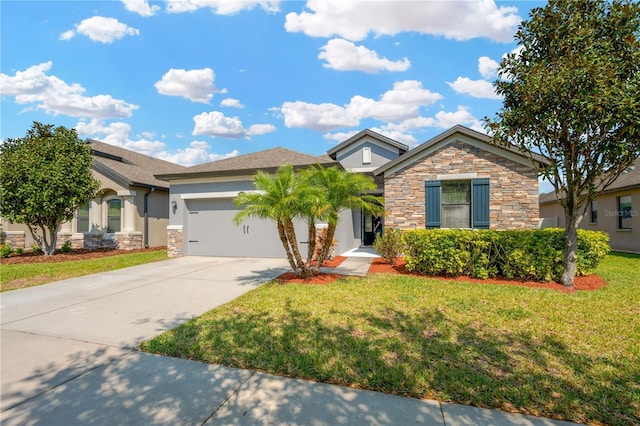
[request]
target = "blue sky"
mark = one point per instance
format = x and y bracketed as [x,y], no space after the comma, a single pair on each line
[192,81]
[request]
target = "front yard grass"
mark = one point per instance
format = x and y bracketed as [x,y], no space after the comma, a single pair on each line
[567,356]
[21,275]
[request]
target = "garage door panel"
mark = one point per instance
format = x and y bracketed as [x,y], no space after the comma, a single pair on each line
[211,232]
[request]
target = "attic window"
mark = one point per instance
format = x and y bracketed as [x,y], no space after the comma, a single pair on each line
[366,155]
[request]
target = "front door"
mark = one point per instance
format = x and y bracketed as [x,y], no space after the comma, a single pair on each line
[371,226]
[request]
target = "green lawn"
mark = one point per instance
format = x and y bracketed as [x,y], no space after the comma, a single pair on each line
[31,274]
[568,356]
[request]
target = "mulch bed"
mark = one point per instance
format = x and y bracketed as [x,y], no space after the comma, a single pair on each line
[379,265]
[76,254]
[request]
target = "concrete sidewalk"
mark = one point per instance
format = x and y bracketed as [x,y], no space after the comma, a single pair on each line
[68,358]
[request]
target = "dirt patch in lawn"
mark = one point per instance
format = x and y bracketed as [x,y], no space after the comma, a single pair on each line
[589,282]
[79,254]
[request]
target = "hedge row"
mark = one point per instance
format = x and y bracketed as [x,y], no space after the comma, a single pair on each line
[523,254]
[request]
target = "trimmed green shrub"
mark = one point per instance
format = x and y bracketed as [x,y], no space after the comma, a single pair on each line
[389,245]
[534,254]
[5,251]
[66,247]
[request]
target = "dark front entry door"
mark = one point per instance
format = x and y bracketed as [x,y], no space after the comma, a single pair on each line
[371,225]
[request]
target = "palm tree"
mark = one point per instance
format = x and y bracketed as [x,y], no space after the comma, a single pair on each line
[340,190]
[282,198]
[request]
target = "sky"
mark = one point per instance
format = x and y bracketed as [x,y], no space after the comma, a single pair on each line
[192,81]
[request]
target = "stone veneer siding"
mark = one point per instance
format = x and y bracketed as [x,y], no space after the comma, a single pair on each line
[513,187]
[14,239]
[174,241]
[90,241]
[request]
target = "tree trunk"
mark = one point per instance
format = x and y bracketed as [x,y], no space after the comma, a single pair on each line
[312,246]
[324,253]
[53,239]
[301,268]
[570,252]
[285,244]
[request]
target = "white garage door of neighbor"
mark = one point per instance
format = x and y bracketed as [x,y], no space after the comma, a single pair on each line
[211,232]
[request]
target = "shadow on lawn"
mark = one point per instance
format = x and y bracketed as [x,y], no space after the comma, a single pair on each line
[425,356]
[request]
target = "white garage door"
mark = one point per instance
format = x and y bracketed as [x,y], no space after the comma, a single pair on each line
[211,232]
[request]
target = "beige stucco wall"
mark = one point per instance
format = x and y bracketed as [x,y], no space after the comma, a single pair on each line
[620,239]
[158,214]
[513,188]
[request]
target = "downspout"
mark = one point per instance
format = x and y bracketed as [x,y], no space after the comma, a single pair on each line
[146,217]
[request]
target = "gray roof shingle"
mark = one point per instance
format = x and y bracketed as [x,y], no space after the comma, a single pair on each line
[629,179]
[130,167]
[267,160]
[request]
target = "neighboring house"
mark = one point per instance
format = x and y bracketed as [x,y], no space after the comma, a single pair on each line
[130,211]
[456,180]
[615,211]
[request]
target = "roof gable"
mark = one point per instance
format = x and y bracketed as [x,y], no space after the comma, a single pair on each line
[129,167]
[456,134]
[382,140]
[243,165]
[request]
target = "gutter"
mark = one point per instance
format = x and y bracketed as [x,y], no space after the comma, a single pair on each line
[146,216]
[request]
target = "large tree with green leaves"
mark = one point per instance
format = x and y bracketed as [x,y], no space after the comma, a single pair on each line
[44,177]
[572,94]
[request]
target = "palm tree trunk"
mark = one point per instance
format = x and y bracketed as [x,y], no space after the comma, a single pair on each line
[301,268]
[285,244]
[331,231]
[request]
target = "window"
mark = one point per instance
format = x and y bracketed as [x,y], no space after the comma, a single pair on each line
[457,203]
[624,212]
[366,155]
[82,224]
[114,213]
[594,211]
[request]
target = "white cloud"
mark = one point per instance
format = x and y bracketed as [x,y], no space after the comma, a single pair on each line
[462,116]
[321,117]
[196,153]
[141,7]
[344,55]
[222,7]
[261,129]
[488,67]
[402,102]
[231,103]
[354,20]
[54,96]
[67,35]
[102,29]
[482,89]
[195,85]
[216,124]
[118,134]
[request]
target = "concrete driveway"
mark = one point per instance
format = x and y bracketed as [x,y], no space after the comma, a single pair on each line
[54,333]
[67,359]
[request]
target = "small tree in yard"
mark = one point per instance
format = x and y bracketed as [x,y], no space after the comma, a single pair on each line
[44,177]
[311,195]
[572,94]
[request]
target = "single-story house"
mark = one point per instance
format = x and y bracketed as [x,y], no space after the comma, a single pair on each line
[455,180]
[130,211]
[616,211]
